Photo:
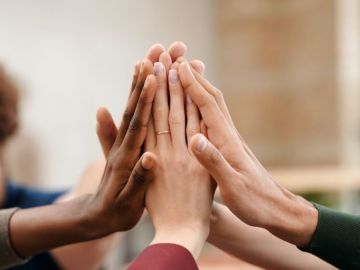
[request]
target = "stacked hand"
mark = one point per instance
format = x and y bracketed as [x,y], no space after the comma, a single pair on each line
[186,123]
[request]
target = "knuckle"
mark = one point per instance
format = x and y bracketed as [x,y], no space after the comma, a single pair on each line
[176,118]
[191,131]
[136,125]
[144,99]
[127,115]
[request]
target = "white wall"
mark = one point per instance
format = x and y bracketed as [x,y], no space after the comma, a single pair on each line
[72,56]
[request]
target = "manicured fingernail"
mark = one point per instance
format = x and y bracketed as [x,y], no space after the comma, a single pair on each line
[188,99]
[201,143]
[159,67]
[147,163]
[173,76]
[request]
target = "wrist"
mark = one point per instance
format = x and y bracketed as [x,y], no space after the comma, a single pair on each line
[295,221]
[191,237]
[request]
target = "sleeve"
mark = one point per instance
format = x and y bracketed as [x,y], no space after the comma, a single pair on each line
[336,238]
[164,257]
[8,256]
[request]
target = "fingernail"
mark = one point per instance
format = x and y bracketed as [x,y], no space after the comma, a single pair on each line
[147,163]
[188,99]
[158,68]
[173,76]
[201,143]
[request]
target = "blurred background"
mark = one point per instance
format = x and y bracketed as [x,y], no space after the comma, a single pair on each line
[289,70]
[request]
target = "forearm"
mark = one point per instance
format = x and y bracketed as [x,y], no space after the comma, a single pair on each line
[256,245]
[291,218]
[37,229]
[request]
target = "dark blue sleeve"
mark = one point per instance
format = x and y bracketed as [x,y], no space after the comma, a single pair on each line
[26,197]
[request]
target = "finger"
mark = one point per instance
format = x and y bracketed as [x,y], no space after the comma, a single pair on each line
[203,128]
[206,103]
[150,140]
[161,105]
[142,174]
[211,159]
[192,119]
[145,69]
[135,77]
[177,112]
[216,93]
[176,50]
[154,52]
[136,132]
[105,129]
[198,66]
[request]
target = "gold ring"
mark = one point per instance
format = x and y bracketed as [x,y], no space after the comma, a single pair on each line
[162,132]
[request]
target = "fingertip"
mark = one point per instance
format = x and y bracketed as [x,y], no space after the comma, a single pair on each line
[198,65]
[177,49]
[137,68]
[198,143]
[154,52]
[148,161]
[102,114]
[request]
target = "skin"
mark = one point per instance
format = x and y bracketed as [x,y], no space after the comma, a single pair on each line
[180,200]
[263,202]
[119,202]
[256,245]
[193,230]
[75,256]
[227,231]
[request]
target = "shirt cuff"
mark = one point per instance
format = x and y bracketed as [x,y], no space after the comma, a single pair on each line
[336,238]
[164,256]
[8,256]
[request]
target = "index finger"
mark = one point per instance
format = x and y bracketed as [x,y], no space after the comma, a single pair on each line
[211,114]
[136,133]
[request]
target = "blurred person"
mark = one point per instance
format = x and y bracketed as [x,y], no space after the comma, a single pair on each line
[117,205]
[252,194]
[15,195]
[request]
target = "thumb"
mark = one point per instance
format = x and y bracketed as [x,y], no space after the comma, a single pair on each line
[105,129]
[140,178]
[211,158]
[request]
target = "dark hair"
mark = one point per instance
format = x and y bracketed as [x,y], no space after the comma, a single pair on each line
[9,95]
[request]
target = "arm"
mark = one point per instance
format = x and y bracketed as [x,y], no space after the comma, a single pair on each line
[119,201]
[258,246]
[8,256]
[75,256]
[245,185]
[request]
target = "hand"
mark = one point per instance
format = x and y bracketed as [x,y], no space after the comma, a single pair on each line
[180,199]
[245,186]
[119,202]
[106,129]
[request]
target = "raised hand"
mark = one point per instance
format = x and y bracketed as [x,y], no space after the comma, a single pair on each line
[245,186]
[179,200]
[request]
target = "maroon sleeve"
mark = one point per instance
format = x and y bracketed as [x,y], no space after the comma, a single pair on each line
[164,257]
